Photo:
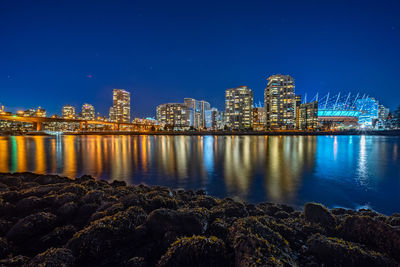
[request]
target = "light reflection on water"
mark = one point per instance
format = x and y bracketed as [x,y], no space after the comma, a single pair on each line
[347,171]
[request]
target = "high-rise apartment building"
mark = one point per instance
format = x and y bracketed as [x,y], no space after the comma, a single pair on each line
[88,112]
[297,100]
[308,116]
[217,119]
[201,112]
[68,112]
[279,102]
[369,111]
[383,112]
[121,109]
[174,116]
[259,118]
[239,107]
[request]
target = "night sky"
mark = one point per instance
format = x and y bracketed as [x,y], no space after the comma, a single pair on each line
[54,53]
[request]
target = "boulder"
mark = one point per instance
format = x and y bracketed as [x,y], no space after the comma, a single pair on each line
[205,201]
[158,202]
[219,229]
[59,236]
[67,210]
[5,226]
[254,243]
[337,252]
[281,215]
[373,233]
[41,190]
[197,251]
[3,187]
[317,213]
[10,180]
[136,262]
[5,248]
[17,261]
[32,225]
[183,222]
[94,196]
[29,205]
[61,199]
[50,179]
[53,257]
[117,183]
[228,208]
[101,237]
[73,188]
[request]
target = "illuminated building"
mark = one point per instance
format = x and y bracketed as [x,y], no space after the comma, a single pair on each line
[259,117]
[383,112]
[111,114]
[347,111]
[308,116]
[121,109]
[369,111]
[88,112]
[279,102]
[29,112]
[2,110]
[201,112]
[190,114]
[217,119]
[68,112]
[297,100]
[176,116]
[239,107]
[41,112]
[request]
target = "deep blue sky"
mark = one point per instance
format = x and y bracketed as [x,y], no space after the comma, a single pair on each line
[64,52]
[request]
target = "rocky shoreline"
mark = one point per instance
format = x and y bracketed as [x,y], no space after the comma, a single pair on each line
[47,220]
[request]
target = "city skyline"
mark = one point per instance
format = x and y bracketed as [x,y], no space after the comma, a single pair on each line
[343,52]
[154,115]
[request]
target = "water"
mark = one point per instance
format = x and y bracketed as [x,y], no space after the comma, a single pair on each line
[338,171]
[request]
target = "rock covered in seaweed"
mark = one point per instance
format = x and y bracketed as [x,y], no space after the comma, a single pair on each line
[46,220]
[196,251]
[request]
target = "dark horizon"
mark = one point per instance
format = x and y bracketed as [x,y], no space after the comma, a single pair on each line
[68,52]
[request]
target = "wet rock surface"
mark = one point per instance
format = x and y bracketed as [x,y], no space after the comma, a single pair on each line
[47,220]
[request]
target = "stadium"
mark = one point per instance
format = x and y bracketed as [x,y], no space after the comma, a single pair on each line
[347,110]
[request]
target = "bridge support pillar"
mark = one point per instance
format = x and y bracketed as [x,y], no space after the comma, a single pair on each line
[38,126]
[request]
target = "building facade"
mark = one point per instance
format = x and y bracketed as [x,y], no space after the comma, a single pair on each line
[383,112]
[201,112]
[68,112]
[369,112]
[297,101]
[279,102]
[121,109]
[259,118]
[308,116]
[88,112]
[239,108]
[174,116]
[217,119]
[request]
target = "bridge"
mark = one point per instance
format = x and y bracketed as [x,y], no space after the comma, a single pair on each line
[37,123]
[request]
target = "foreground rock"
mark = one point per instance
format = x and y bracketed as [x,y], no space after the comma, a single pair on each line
[46,220]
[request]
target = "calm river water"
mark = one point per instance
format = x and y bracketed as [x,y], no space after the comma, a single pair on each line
[338,171]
